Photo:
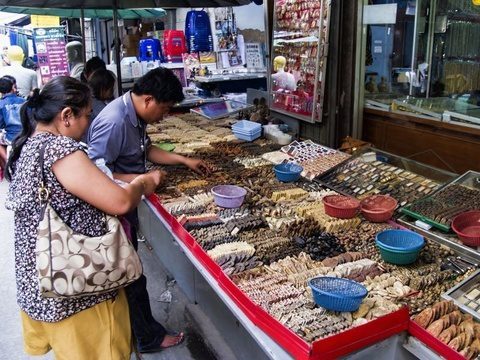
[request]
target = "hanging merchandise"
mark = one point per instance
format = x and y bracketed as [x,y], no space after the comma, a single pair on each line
[150,50]
[198,31]
[174,45]
[150,54]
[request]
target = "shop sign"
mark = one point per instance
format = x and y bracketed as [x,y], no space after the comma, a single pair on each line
[44,20]
[51,54]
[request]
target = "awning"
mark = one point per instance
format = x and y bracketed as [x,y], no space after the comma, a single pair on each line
[121,4]
[87,13]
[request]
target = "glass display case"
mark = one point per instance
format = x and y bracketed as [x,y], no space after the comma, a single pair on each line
[423,57]
[466,295]
[299,53]
[372,171]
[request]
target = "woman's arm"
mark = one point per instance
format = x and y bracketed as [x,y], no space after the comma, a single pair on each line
[82,178]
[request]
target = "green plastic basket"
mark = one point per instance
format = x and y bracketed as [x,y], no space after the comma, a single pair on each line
[398,257]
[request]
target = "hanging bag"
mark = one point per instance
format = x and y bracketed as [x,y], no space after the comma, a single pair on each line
[70,264]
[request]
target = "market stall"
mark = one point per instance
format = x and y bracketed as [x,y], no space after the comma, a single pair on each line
[254,262]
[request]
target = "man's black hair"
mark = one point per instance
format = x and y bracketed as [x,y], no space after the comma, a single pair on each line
[11,78]
[6,85]
[162,84]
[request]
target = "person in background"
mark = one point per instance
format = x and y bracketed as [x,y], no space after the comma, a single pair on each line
[26,79]
[92,65]
[14,82]
[118,137]
[102,83]
[91,327]
[10,124]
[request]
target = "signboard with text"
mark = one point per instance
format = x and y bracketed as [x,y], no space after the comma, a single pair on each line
[51,54]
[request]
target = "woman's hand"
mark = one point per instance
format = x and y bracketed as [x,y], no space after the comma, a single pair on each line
[151,180]
[199,166]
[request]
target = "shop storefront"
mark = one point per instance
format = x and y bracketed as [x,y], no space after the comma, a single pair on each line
[419,80]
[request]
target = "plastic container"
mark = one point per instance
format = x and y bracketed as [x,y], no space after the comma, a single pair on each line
[287,172]
[467,227]
[246,126]
[247,137]
[339,206]
[378,208]
[400,247]
[337,294]
[228,196]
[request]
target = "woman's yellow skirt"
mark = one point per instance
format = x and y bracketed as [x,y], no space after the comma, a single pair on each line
[101,332]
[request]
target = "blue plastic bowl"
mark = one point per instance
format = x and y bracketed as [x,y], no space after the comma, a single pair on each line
[337,294]
[228,196]
[400,240]
[287,172]
[400,247]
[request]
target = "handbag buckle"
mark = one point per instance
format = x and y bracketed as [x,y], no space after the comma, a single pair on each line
[43,193]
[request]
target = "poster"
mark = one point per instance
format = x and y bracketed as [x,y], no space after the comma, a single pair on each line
[51,54]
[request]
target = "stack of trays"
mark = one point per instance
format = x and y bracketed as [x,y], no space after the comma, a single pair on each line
[247,130]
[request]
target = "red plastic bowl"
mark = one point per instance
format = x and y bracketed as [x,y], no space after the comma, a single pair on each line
[339,206]
[378,208]
[467,227]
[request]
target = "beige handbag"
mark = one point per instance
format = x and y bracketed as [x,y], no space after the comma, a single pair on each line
[73,265]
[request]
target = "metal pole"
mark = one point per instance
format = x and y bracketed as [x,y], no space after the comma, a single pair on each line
[117,47]
[413,64]
[83,34]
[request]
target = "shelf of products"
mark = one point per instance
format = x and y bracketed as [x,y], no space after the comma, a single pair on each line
[439,209]
[427,63]
[376,172]
[299,53]
[263,253]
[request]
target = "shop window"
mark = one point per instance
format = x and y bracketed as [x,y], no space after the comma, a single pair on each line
[423,57]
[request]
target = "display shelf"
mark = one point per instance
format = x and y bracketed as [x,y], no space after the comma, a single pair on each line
[229,77]
[469,182]
[331,347]
[419,349]
[466,295]
[433,343]
[373,171]
[297,86]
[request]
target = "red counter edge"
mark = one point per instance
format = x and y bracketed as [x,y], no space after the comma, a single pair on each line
[328,348]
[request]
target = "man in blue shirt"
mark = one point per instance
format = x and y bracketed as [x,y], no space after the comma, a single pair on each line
[10,123]
[117,136]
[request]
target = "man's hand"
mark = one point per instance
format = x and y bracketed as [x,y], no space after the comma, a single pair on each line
[199,166]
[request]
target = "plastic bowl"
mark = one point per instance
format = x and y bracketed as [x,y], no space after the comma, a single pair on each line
[287,172]
[228,196]
[378,208]
[339,206]
[400,247]
[337,294]
[467,227]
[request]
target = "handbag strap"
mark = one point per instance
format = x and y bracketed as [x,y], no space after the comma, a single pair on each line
[43,193]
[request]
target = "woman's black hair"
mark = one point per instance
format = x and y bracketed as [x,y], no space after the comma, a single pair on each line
[43,106]
[100,82]
[92,65]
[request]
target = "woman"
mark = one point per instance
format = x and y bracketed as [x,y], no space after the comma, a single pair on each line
[89,327]
[102,83]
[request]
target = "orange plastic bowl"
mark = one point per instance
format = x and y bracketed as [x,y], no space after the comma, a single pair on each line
[378,208]
[339,206]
